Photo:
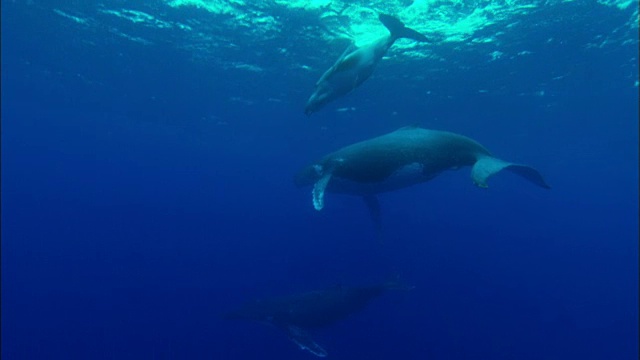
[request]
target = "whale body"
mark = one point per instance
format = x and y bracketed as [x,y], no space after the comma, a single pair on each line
[297,313]
[356,65]
[405,157]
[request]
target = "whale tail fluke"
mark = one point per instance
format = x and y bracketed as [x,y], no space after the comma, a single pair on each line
[486,166]
[399,30]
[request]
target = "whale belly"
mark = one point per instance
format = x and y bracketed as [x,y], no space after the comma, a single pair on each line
[404,176]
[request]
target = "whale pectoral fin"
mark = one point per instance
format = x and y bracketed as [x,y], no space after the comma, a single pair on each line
[374,211]
[350,49]
[301,338]
[324,77]
[486,166]
[346,63]
[318,191]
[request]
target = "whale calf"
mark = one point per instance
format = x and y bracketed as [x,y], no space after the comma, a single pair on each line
[407,156]
[296,314]
[356,64]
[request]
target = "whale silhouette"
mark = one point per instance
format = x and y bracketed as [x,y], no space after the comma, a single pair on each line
[295,314]
[356,64]
[407,156]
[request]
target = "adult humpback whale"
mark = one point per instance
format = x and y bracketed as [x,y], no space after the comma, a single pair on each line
[407,156]
[295,314]
[356,64]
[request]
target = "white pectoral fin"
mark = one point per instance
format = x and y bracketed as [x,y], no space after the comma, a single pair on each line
[486,166]
[339,65]
[347,51]
[301,338]
[318,191]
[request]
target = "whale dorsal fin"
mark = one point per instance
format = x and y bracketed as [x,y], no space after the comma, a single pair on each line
[304,341]
[409,127]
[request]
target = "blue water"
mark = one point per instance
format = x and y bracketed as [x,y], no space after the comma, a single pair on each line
[147,182]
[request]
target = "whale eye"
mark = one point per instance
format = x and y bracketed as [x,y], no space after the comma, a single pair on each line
[318,169]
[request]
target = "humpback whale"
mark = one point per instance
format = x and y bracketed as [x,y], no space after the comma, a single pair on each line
[296,314]
[407,156]
[356,64]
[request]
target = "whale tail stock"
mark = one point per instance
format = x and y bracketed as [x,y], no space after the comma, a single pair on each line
[486,166]
[399,30]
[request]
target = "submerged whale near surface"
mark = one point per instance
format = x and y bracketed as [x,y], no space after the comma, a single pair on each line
[357,64]
[407,156]
[295,314]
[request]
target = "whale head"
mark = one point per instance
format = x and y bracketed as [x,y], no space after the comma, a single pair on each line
[322,95]
[315,103]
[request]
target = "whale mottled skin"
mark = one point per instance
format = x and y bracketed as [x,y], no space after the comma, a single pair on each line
[356,65]
[408,156]
[295,314]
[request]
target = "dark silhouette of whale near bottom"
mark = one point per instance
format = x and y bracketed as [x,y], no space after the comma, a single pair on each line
[407,156]
[295,314]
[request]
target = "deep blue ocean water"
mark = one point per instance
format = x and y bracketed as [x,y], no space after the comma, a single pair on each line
[149,149]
